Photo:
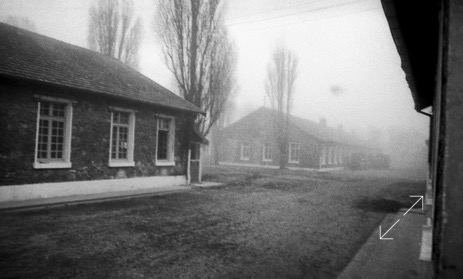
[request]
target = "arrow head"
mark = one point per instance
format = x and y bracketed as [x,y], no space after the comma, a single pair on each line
[420,198]
[381,237]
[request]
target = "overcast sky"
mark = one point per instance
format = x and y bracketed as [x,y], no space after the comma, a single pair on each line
[341,44]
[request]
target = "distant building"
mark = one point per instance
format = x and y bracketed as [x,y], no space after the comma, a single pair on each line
[251,141]
[68,114]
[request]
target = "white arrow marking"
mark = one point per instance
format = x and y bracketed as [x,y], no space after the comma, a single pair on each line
[420,198]
[382,236]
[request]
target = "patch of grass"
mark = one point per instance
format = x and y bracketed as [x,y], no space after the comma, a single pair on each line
[379,205]
[392,198]
[263,224]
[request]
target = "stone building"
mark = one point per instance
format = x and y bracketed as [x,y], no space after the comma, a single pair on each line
[251,141]
[69,114]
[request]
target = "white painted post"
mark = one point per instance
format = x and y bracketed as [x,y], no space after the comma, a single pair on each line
[200,165]
[188,175]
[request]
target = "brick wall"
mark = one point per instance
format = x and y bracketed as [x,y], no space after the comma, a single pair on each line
[257,130]
[90,137]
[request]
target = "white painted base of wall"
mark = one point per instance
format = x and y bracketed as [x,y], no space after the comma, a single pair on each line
[426,244]
[331,169]
[276,167]
[248,165]
[76,188]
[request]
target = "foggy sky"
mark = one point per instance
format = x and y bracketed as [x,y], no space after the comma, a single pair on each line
[349,69]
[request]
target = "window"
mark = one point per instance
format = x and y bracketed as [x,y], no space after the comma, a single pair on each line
[122,138]
[327,153]
[335,160]
[323,156]
[340,156]
[267,153]
[165,141]
[294,152]
[53,135]
[330,155]
[245,151]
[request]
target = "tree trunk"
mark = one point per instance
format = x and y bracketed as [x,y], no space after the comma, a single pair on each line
[194,52]
[283,140]
[216,146]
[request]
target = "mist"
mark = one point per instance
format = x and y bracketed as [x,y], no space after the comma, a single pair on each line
[294,152]
[349,69]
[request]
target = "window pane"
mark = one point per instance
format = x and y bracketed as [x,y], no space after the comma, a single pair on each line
[246,150]
[267,151]
[57,109]
[114,143]
[45,108]
[294,152]
[164,124]
[121,117]
[123,142]
[120,135]
[42,155]
[124,117]
[43,139]
[163,137]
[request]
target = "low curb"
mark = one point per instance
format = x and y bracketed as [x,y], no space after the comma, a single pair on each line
[73,200]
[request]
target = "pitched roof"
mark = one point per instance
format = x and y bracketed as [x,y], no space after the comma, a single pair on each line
[316,130]
[31,56]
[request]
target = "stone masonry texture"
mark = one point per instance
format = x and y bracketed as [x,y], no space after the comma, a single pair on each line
[90,137]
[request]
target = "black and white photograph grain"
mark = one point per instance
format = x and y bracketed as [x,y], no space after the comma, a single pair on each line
[231,139]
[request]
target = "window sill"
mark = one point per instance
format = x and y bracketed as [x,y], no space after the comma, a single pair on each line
[164,163]
[52,165]
[244,159]
[267,160]
[293,162]
[115,164]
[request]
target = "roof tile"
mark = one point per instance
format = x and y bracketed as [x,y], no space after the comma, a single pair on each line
[28,55]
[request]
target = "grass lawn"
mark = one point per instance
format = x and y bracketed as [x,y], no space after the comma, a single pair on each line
[261,224]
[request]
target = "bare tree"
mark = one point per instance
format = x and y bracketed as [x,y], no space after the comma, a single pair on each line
[114,31]
[279,85]
[199,53]
[21,22]
[218,127]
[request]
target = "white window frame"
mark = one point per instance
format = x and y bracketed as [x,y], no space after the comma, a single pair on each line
[298,153]
[323,156]
[243,146]
[264,152]
[129,162]
[170,161]
[65,162]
